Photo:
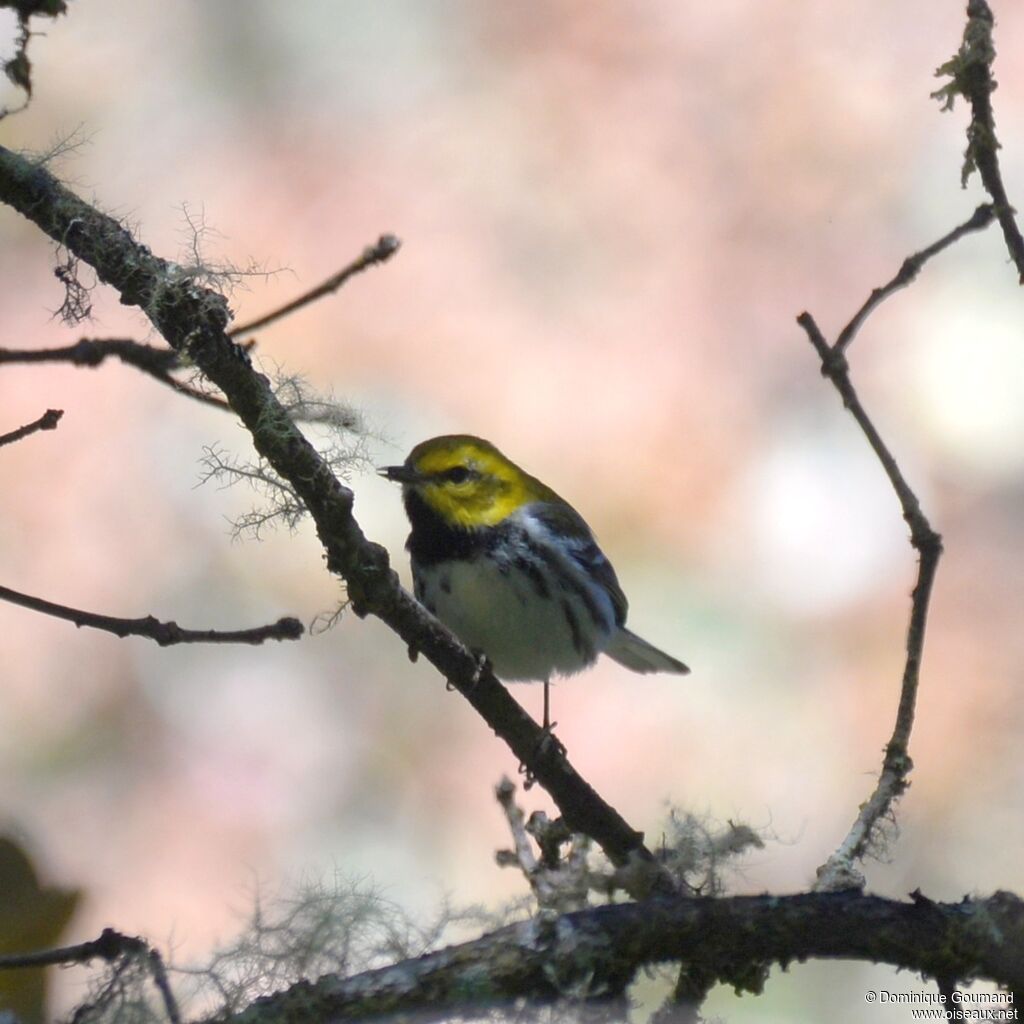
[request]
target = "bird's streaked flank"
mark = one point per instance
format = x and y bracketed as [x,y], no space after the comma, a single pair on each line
[511,568]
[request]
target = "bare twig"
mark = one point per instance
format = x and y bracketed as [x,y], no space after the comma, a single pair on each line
[110,946]
[382,250]
[839,871]
[683,1006]
[970,73]
[165,634]
[152,360]
[93,351]
[981,218]
[48,421]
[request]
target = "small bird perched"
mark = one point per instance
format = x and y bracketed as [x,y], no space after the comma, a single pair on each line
[511,568]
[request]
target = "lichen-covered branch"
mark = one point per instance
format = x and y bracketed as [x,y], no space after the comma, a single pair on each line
[594,954]
[970,75]
[559,883]
[194,319]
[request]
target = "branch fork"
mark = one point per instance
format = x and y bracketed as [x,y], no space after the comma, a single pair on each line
[839,871]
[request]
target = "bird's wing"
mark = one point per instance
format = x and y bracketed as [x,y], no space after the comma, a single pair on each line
[561,520]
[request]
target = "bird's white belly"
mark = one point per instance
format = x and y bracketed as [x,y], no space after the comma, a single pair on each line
[523,635]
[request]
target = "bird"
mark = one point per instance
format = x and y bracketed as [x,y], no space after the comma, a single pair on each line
[511,568]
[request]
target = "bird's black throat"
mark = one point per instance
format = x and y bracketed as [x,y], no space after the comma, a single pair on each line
[434,540]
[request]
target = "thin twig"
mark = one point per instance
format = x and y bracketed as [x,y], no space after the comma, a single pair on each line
[981,218]
[382,250]
[110,946]
[522,856]
[159,971]
[48,421]
[152,360]
[93,351]
[970,70]
[559,883]
[839,871]
[683,1006]
[164,633]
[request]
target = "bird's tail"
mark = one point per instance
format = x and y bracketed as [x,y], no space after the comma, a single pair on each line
[630,650]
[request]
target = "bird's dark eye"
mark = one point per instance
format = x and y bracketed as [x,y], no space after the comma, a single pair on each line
[457,475]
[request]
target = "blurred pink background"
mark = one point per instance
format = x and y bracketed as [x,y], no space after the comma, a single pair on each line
[610,216]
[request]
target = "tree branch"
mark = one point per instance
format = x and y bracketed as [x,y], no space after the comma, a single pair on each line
[911,267]
[380,252]
[558,883]
[683,1006]
[110,946]
[194,320]
[166,634]
[970,71]
[839,872]
[151,360]
[48,421]
[93,351]
[596,953]
[18,69]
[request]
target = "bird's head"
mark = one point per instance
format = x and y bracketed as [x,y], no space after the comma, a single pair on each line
[466,481]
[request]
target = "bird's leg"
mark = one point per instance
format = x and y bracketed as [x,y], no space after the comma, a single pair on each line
[549,726]
[549,742]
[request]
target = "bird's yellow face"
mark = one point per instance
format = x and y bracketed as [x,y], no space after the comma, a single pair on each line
[467,481]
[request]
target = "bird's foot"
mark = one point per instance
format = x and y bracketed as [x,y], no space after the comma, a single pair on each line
[549,745]
[482,665]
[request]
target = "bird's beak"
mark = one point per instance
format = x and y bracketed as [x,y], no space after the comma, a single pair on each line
[399,474]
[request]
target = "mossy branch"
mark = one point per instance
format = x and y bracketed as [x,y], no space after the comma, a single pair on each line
[594,954]
[969,71]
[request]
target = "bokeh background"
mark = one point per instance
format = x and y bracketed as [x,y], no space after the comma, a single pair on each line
[611,215]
